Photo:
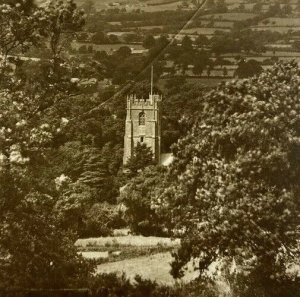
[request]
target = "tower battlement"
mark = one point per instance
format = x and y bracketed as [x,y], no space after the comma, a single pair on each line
[132,100]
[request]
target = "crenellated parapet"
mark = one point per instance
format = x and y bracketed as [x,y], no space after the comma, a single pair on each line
[143,124]
[133,101]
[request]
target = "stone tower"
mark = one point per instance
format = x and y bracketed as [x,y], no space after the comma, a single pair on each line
[143,124]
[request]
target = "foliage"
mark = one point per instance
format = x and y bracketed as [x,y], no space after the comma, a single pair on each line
[235,185]
[20,28]
[101,219]
[110,285]
[248,69]
[142,157]
[36,250]
[141,196]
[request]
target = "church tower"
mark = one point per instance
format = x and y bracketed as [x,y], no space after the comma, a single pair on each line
[143,124]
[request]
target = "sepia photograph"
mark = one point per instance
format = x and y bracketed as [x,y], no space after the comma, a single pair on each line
[149,148]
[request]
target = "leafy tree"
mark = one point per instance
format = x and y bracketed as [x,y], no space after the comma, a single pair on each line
[88,6]
[99,38]
[248,68]
[149,41]
[186,43]
[210,4]
[287,9]
[63,19]
[221,6]
[32,239]
[235,180]
[202,40]
[257,7]
[100,220]
[96,176]
[201,62]
[22,25]
[142,157]
[141,197]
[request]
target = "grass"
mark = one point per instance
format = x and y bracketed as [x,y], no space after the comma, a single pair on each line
[204,31]
[162,7]
[113,254]
[106,47]
[130,240]
[281,22]
[154,267]
[230,16]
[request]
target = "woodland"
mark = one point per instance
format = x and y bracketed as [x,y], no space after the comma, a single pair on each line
[230,195]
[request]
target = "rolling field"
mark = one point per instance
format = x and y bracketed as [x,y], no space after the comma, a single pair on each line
[154,267]
[276,29]
[203,30]
[162,7]
[280,22]
[230,16]
[107,47]
[129,240]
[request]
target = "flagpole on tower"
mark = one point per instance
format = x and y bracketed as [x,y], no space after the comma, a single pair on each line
[151,93]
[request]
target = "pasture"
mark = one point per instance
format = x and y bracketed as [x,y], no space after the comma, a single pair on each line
[278,29]
[154,267]
[203,30]
[230,16]
[280,22]
[162,7]
[109,48]
[129,240]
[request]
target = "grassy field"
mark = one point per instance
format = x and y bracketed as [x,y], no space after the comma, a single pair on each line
[130,240]
[230,16]
[162,7]
[280,22]
[203,30]
[107,47]
[154,267]
[215,23]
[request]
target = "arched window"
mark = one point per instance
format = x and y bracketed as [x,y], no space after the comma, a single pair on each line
[142,118]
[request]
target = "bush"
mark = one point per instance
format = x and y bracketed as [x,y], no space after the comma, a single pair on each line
[101,219]
[110,285]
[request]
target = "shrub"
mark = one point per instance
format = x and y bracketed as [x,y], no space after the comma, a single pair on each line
[101,219]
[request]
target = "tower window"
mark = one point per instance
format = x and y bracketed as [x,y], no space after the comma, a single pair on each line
[142,139]
[142,118]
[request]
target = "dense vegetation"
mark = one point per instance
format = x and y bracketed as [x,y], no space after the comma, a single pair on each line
[232,192]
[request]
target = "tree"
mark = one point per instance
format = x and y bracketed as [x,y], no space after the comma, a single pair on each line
[235,180]
[96,176]
[32,239]
[149,41]
[99,38]
[186,43]
[63,19]
[257,7]
[201,40]
[202,60]
[142,157]
[287,9]
[210,4]
[88,6]
[141,197]
[248,69]
[221,6]
[22,26]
